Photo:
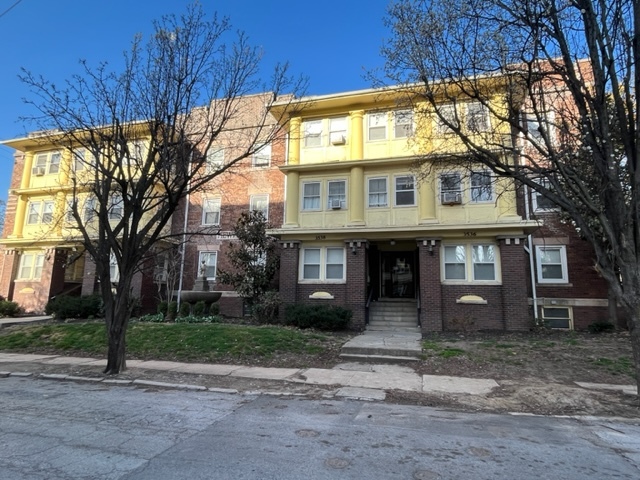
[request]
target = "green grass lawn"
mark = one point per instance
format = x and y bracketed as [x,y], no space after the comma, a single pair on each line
[185,342]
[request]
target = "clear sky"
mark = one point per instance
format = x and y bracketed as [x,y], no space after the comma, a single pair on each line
[332,42]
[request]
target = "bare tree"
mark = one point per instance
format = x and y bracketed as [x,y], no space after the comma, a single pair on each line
[140,145]
[568,72]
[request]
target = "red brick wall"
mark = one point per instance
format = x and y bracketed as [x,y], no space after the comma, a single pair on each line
[464,316]
[516,312]
[431,308]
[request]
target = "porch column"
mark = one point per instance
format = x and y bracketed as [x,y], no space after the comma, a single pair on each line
[356,196]
[292,199]
[289,260]
[430,288]
[513,260]
[356,294]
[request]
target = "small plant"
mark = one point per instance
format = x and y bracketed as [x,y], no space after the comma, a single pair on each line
[322,317]
[266,310]
[185,309]
[198,319]
[601,326]
[198,308]
[163,307]
[152,317]
[172,311]
[8,309]
[449,352]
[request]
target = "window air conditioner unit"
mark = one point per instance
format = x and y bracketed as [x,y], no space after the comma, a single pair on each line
[38,171]
[336,204]
[338,139]
[451,198]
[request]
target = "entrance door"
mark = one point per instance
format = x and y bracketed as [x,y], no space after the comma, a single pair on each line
[397,279]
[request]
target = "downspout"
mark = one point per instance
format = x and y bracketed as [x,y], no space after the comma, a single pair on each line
[184,235]
[529,250]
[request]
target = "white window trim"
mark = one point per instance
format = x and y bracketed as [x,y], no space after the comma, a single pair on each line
[215,159]
[305,132]
[400,112]
[395,191]
[323,265]
[37,264]
[343,205]
[338,136]
[471,187]
[440,127]
[386,183]
[534,198]
[254,198]
[458,192]
[385,118]
[485,115]
[44,168]
[260,154]
[469,270]
[200,258]
[563,263]
[213,201]
[41,207]
[302,196]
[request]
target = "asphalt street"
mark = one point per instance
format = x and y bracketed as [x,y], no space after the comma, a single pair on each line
[71,430]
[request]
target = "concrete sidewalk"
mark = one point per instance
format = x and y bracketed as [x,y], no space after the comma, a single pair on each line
[369,381]
[35,319]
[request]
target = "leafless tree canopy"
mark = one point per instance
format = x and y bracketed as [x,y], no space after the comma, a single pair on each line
[568,69]
[140,138]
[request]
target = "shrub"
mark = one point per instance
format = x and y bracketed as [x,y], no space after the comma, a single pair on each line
[163,307]
[172,311]
[64,306]
[322,317]
[152,317]
[8,309]
[601,326]
[266,310]
[214,309]
[185,309]
[198,308]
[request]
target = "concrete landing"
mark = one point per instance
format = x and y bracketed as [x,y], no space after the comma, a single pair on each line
[379,346]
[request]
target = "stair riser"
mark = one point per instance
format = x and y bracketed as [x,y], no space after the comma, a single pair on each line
[379,351]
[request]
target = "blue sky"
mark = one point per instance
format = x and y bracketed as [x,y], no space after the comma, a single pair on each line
[332,42]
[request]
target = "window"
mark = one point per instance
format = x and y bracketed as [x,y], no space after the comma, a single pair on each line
[477,119]
[470,262]
[311,196]
[552,264]
[31,265]
[405,190]
[79,159]
[323,264]
[558,317]
[116,209]
[262,158]
[538,124]
[209,260]
[481,186]
[378,192]
[338,130]
[211,211]
[312,133]
[260,203]
[447,117]
[215,159]
[377,126]
[337,194]
[450,188]
[484,260]
[539,202]
[46,162]
[89,209]
[455,262]
[403,123]
[136,153]
[40,212]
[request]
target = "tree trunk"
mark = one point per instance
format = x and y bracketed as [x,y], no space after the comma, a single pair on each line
[117,315]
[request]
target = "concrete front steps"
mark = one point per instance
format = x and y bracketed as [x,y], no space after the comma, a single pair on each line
[396,315]
[383,347]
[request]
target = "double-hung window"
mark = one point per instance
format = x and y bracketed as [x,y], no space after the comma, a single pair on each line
[116,209]
[539,201]
[552,264]
[312,131]
[114,270]
[209,261]
[215,159]
[377,126]
[311,196]
[89,210]
[260,203]
[378,192]
[31,265]
[323,264]
[450,188]
[211,211]
[46,162]
[40,212]
[481,186]
[470,261]
[405,190]
[338,130]
[54,162]
[447,116]
[336,194]
[477,119]
[403,123]
[262,157]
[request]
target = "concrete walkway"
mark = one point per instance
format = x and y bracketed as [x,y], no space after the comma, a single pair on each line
[36,319]
[387,346]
